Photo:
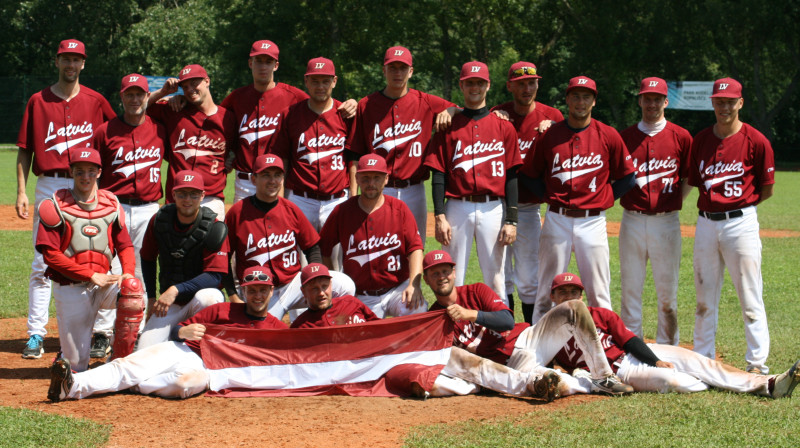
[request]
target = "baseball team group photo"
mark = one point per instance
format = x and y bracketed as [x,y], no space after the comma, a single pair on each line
[500,264]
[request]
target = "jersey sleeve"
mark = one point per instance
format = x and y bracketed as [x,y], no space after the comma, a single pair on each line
[329,235]
[513,157]
[149,251]
[619,332]
[105,106]
[437,104]
[158,111]
[619,159]
[279,144]
[216,261]
[489,300]
[685,145]
[435,158]
[356,141]
[764,162]
[694,171]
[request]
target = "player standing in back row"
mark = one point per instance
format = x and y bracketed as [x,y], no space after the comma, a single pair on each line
[733,166]
[578,160]
[475,165]
[651,228]
[531,119]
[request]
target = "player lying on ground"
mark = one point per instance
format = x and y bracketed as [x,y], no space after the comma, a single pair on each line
[170,369]
[658,367]
[465,373]
[485,326]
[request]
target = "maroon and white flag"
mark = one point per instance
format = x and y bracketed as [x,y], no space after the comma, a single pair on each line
[384,358]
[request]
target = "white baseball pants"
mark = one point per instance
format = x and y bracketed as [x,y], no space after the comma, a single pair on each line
[76,309]
[588,238]
[317,213]
[242,188]
[169,370]
[414,197]
[391,303]
[482,221]
[157,329]
[522,257]
[657,238]
[216,205]
[735,244]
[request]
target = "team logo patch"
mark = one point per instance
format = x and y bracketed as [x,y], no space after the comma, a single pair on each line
[85,154]
[133,79]
[90,230]
[314,268]
[72,45]
[270,159]
[723,86]
[476,69]
[569,277]
[653,83]
[398,52]
[265,46]
[372,162]
[319,65]
[582,81]
[437,257]
[186,71]
[188,178]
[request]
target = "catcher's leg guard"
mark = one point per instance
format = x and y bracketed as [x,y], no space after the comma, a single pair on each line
[130,311]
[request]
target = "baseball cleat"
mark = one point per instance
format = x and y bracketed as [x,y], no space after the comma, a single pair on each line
[612,385]
[60,380]
[754,370]
[786,381]
[101,346]
[545,387]
[34,348]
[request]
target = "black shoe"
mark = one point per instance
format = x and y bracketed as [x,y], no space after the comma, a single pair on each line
[101,346]
[60,380]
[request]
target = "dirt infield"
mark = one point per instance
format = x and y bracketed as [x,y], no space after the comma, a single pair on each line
[201,421]
[10,221]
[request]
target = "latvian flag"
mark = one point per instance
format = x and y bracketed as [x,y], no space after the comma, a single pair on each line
[386,358]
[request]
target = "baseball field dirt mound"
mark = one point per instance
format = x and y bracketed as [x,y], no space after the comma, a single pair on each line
[200,421]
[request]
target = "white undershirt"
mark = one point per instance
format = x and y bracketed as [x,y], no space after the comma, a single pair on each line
[652,129]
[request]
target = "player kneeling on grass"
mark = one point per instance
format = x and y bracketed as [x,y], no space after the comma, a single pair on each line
[657,367]
[465,373]
[485,327]
[172,369]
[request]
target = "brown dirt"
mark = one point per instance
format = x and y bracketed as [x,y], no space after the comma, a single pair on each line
[200,421]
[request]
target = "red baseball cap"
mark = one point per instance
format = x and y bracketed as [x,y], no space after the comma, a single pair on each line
[436,257]
[86,154]
[188,179]
[372,163]
[565,279]
[582,82]
[522,70]
[266,47]
[727,88]
[72,46]
[265,161]
[192,71]
[313,271]
[653,85]
[256,275]
[398,54]
[320,66]
[474,69]
[134,80]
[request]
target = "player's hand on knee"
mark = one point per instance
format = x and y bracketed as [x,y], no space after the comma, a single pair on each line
[508,234]
[165,301]
[444,233]
[102,280]
[412,297]
[665,364]
[192,332]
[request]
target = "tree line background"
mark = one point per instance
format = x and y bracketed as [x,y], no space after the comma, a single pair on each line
[615,43]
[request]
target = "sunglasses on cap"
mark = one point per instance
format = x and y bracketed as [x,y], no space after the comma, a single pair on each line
[256,277]
[525,71]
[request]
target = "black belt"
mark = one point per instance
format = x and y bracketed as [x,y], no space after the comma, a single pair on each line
[574,212]
[245,176]
[63,174]
[374,292]
[479,198]
[320,197]
[132,202]
[721,216]
[394,183]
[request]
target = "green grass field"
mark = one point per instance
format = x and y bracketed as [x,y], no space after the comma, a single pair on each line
[705,419]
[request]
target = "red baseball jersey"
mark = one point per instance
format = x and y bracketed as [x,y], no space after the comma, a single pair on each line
[476,338]
[375,246]
[661,163]
[198,142]
[230,315]
[730,172]
[344,310]
[577,166]
[50,126]
[314,146]
[613,336]
[398,130]
[475,155]
[212,261]
[273,240]
[527,127]
[131,158]
[258,115]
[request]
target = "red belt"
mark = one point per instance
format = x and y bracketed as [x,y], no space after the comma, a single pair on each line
[574,212]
